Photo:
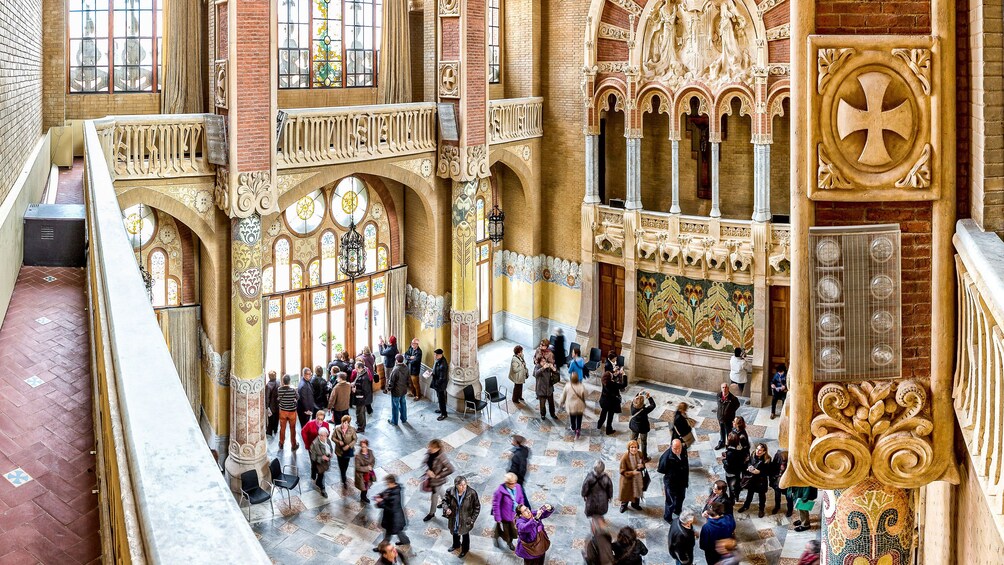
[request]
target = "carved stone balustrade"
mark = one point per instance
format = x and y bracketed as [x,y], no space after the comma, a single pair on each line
[329,136]
[709,248]
[514,119]
[155,146]
[978,389]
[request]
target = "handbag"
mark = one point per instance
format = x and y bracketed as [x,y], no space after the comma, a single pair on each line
[806,505]
[555,378]
[350,452]
[646,480]
[539,546]
[426,485]
[688,439]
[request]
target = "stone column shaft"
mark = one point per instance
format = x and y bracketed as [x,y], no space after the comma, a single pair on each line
[592,169]
[761,183]
[675,208]
[715,212]
[633,174]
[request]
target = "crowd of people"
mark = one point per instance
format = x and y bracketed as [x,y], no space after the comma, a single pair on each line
[518,525]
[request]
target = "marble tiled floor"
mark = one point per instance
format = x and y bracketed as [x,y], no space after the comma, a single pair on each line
[311,529]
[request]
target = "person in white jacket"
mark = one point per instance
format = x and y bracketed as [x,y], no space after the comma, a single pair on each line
[739,369]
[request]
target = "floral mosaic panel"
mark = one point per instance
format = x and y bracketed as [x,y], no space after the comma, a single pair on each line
[696,313]
[532,269]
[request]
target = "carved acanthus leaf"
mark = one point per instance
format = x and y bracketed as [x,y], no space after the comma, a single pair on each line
[828,176]
[919,61]
[920,173]
[828,61]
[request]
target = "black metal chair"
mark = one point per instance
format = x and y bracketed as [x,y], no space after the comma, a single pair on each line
[473,402]
[595,359]
[283,480]
[572,347]
[494,396]
[550,340]
[620,360]
[252,492]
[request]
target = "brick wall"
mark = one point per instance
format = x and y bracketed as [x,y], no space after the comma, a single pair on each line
[521,48]
[419,239]
[518,233]
[255,122]
[563,146]
[871,17]
[20,86]
[986,150]
[53,63]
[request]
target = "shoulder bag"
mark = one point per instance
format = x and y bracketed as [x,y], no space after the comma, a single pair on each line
[646,480]
[688,439]
[539,546]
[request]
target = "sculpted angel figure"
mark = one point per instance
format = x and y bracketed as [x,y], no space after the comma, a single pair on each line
[661,48]
[734,59]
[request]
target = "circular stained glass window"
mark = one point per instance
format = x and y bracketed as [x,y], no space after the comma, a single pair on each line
[828,252]
[881,249]
[349,202]
[140,224]
[882,322]
[830,323]
[306,213]
[830,357]
[829,289]
[882,287]
[882,355]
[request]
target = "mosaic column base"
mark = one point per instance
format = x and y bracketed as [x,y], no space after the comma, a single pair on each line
[247,448]
[463,356]
[867,524]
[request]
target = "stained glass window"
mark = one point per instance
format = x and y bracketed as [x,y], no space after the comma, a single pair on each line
[320,300]
[173,296]
[382,262]
[338,296]
[114,45]
[293,305]
[314,273]
[370,243]
[480,207]
[329,253]
[296,276]
[362,289]
[379,285]
[267,281]
[282,273]
[494,42]
[329,43]
[306,213]
[158,270]
[140,224]
[273,309]
[349,201]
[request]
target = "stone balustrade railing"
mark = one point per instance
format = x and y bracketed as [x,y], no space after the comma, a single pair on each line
[708,247]
[329,136]
[162,497]
[155,146]
[513,119]
[979,373]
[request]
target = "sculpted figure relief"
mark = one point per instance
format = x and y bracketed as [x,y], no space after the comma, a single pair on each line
[706,40]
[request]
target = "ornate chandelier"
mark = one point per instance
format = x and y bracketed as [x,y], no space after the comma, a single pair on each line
[496,224]
[352,253]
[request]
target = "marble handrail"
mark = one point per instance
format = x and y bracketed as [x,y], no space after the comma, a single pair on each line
[514,119]
[328,136]
[163,499]
[978,389]
[155,146]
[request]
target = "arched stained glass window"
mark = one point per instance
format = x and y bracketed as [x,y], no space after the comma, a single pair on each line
[158,270]
[370,242]
[267,281]
[282,271]
[173,294]
[480,207]
[296,276]
[329,254]
[383,262]
[314,273]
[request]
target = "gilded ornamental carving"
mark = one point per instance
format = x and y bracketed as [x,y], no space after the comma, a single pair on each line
[874,120]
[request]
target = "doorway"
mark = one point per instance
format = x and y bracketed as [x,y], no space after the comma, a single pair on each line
[611,307]
[780,306]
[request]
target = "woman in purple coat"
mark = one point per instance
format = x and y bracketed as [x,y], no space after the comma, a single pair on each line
[530,526]
[506,499]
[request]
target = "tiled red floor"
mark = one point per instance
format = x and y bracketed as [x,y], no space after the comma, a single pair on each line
[47,431]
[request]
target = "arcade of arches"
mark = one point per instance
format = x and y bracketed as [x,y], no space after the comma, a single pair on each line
[814,186]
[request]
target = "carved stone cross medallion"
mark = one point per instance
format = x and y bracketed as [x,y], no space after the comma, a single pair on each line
[874,120]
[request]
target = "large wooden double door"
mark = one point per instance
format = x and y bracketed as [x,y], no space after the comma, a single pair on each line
[780,324]
[612,306]
[309,327]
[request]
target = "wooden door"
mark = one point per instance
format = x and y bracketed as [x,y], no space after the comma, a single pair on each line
[779,326]
[611,307]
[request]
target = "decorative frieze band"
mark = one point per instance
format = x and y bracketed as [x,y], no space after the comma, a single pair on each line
[433,311]
[216,366]
[608,31]
[780,32]
[628,5]
[539,268]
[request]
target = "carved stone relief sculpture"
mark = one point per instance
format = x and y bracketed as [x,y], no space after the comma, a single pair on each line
[708,40]
[874,124]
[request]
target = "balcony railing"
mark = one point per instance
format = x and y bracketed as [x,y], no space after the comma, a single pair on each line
[154,146]
[514,119]
[699,246]
[979,378]
[329,136]
[162,497]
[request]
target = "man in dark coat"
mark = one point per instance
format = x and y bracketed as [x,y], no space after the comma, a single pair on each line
[560,356]
[362,388]
[413,357]
[440,380]
[461,507]
[682,539]
[397,384]
[391,500]
[387,349]
[520,461]
[597,490]
[320,388]
[728,405]
[718,527]
[675,468]
[272,402]
[305,405]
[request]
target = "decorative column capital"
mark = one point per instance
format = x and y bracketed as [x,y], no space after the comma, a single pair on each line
[240,195]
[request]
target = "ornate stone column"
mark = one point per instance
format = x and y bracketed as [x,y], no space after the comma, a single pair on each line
[592,169]
[675,208]
[715,148]
[633,188]
[463,82]
[761,183]
[868,523]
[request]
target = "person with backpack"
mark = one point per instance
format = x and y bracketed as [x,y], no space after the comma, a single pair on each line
[642,405]
[597,490]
